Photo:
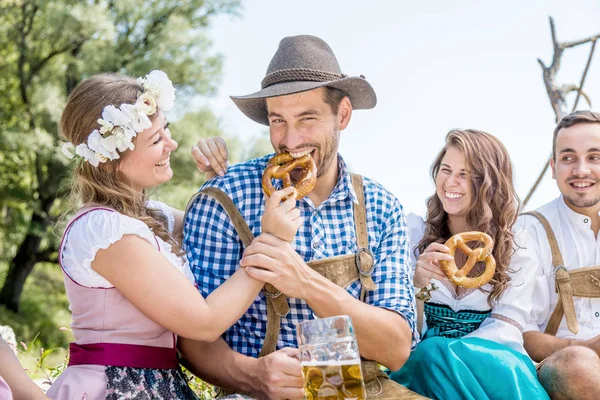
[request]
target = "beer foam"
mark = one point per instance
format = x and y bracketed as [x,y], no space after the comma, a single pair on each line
[331,363]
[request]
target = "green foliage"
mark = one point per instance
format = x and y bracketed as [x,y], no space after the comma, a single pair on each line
[46,48]
[42,363]
[201,388]
[44,308]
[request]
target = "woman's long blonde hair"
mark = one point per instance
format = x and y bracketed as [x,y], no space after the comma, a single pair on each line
[104,185]
[495,205]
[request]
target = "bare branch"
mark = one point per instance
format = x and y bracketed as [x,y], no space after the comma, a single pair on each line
[536,184]
[542,64]
[585,71]
[557,93]
[568,45]
[557,50]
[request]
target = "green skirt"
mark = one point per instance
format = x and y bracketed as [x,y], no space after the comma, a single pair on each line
[471,368]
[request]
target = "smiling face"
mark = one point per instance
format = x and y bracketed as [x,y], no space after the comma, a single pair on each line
[303,123]
[453,186]
[576,167]
[147,165]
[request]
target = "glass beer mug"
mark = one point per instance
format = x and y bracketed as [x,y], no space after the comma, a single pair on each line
[330,359]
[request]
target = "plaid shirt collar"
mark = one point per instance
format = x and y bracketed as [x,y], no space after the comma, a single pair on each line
[342,190]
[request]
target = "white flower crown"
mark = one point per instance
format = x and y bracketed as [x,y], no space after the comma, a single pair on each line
[119,125]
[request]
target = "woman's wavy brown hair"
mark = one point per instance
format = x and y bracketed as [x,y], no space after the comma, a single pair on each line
[104,185]
[495,205]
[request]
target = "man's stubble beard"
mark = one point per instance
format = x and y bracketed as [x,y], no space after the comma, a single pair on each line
[580,202]
[330,152]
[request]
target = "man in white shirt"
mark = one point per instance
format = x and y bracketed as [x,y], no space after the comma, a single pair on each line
[565,340]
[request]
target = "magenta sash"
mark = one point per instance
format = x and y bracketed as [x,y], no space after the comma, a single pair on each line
[123,355]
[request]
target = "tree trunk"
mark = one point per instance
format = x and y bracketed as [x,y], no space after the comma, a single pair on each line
[22,264]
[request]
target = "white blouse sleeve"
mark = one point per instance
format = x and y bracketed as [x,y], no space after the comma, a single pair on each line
[511,313]
[91,232]
[416,229]
[540,308]
[165,209]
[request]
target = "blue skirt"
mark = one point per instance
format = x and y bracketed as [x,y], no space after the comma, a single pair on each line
[470,368]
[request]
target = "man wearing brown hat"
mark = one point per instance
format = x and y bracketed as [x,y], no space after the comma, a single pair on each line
[350,255]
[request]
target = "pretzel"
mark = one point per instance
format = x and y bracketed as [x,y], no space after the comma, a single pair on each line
[280,166]
[459,276]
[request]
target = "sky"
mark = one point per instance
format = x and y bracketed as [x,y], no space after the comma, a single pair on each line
[435,66]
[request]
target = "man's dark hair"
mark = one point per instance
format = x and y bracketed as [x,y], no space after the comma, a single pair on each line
[334,97]
[576,117]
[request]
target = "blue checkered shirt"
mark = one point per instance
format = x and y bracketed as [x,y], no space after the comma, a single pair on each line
[214,248]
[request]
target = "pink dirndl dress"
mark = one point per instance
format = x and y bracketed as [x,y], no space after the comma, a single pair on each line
[5,393]
[118,352]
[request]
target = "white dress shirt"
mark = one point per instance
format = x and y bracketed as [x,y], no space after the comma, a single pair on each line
[510,312]
[579,248]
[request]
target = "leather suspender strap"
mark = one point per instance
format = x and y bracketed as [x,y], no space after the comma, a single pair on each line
[364,261]
[565,305]
[232,211]
[277,305]
[364,257]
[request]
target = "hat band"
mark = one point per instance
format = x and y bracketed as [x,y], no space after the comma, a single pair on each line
[299,74]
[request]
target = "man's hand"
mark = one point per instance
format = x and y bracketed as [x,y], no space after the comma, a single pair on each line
[272,260]
[281,219]
[211,155]
[279,375]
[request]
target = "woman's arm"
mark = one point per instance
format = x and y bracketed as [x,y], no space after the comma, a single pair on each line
[147,279]
[20,384]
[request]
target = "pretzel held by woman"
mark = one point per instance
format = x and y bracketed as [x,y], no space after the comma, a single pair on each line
[280,166]
[459,276]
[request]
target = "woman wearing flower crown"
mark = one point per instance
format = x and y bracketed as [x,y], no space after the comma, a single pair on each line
[129,287]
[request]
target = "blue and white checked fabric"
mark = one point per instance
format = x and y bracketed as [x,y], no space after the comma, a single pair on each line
[214,248]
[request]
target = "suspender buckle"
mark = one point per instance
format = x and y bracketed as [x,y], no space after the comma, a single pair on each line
[561,275]
[364,270]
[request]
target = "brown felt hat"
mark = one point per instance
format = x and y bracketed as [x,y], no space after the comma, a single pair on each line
[304,63]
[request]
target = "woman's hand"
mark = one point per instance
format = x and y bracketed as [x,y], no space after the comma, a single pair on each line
[427,265]
[281,219]
[211,155]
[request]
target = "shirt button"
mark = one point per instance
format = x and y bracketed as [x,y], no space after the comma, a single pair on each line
[315,245]
[586,220]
